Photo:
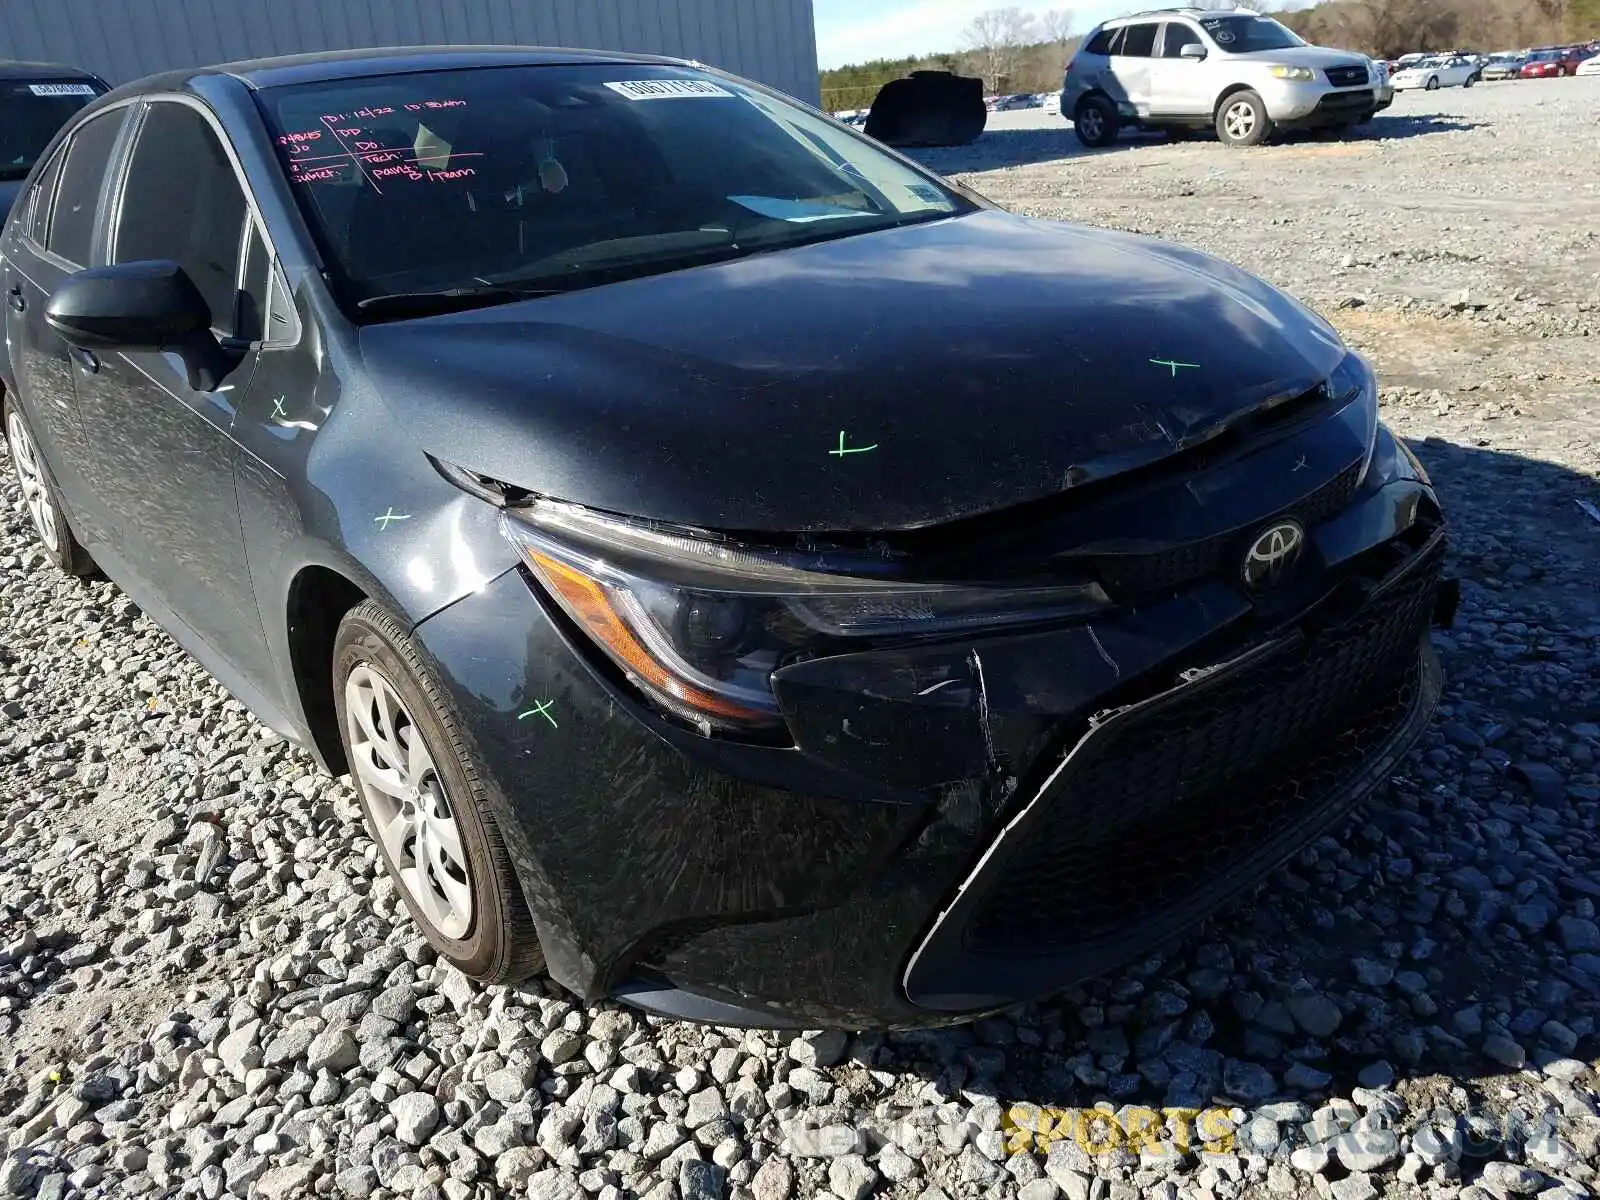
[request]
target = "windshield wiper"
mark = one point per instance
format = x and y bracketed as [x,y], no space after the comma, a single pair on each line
[453,299]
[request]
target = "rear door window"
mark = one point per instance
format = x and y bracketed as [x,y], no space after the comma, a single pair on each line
[42,193]
[82,176]
[1138,41]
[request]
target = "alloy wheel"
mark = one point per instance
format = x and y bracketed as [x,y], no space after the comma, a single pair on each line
[1092,124]
[1239,120]
[30,474]
[406,799]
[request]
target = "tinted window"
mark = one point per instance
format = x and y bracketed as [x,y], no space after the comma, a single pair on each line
[1138,41]
[30,114]
[42,193]
[564,177]
[183,202]
[1100,43]
[1241,35]
[1174,37]
[78,197]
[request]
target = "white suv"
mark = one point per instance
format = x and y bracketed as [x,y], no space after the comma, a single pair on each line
[1240,73]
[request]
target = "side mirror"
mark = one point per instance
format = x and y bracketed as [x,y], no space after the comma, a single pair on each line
[140,306]
[1192,50]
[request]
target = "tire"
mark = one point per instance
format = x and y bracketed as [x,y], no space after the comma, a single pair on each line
[1433,83]
[1242,120]
[1095,121]
[39,496]
[467,902]
[1470,80]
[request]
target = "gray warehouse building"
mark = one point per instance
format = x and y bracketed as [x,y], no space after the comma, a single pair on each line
[773,41]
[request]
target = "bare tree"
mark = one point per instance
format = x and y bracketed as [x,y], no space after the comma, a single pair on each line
[1058,24]
[996,39]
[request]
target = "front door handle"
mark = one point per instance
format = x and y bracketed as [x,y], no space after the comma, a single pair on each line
[14,298]
[85,359]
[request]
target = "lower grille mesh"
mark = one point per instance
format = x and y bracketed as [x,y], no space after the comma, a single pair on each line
[1152,806]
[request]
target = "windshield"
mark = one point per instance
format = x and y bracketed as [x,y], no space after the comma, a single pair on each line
[30,113]
[549,178]
[1241,35]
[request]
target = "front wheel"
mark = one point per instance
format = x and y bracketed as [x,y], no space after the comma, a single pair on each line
[1433,83]
[1242,120]
[1471,79]
[39,494]
[1096,122]
[426,806]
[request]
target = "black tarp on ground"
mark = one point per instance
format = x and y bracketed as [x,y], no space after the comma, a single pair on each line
[930,108]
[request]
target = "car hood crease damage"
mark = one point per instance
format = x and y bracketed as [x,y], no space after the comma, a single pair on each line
[839,373]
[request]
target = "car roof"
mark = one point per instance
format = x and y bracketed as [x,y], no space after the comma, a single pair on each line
[1180,11]
[328,65]
[14,69]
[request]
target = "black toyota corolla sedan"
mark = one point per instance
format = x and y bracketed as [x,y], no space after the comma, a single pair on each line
[741,572]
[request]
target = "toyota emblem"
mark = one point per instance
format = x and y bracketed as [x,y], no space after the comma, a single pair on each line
[1273,555]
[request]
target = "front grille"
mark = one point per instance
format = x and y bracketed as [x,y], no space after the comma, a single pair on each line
[1341,103]
[1126,575]
[1353,76]
[1164,799]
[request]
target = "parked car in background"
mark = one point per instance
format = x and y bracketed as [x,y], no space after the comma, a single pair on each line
[679,639]
[1409,60]
[1590,65]
[1014,102]
[1433,73]
[1240,73]
[1504,65]
[1052,104]
[1552,62]
[1382,89]
[36,100]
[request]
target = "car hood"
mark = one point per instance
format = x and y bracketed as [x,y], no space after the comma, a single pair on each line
[884,381]
[1304,56]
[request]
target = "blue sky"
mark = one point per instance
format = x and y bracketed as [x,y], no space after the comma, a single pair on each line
[851,31]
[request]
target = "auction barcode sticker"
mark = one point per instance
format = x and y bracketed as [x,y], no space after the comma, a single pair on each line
[668,89]
[61,89]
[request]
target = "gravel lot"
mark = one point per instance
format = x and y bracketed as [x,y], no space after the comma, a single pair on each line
[206,986]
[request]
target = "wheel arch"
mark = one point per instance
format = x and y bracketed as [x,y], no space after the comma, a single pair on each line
[1227,93]
[1093,93]
[318,598]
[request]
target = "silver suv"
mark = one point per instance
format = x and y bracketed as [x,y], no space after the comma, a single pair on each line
[1243,74]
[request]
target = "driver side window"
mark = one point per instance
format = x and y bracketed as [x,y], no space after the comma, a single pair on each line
[1175,35]
[183,202]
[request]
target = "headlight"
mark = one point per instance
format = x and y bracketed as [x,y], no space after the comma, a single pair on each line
[1353,380]
[1300,74]
[699,623]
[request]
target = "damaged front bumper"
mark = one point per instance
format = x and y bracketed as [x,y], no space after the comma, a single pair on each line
[956,826]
